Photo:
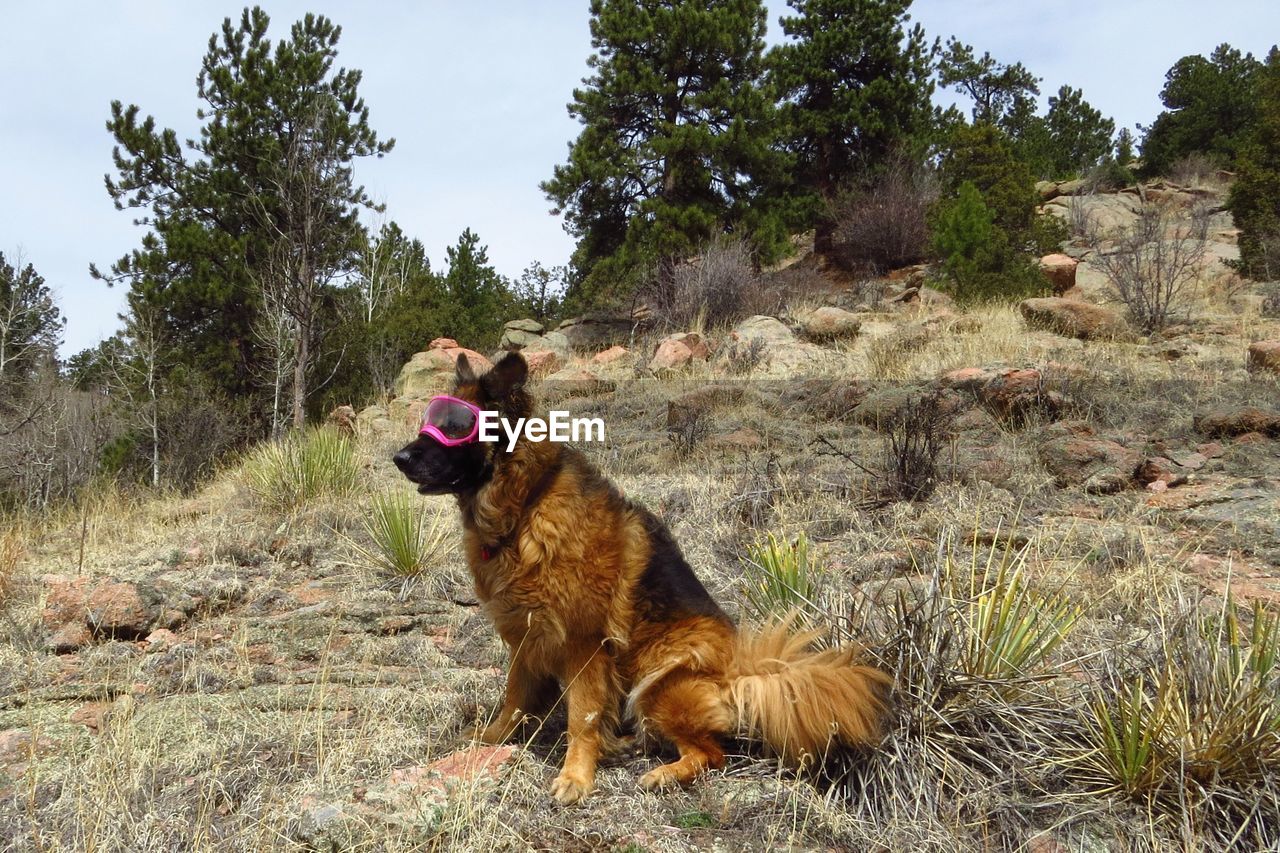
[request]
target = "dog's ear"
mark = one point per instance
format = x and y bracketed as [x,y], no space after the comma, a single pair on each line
[465,374]
[506,377]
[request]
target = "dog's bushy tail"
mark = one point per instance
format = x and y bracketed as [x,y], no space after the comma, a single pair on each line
[801,702]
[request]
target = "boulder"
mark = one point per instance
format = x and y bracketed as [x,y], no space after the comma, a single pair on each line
[1229,423]
[612,355]
[1060,270]
[1074,319]
[676,351]
[431,372]
[1076,455]
[120,609]
[543,361]
[529,325]
[1264,356]
[594,332]
[829,323]
[778,350]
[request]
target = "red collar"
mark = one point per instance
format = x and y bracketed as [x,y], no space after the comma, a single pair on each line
[487,552]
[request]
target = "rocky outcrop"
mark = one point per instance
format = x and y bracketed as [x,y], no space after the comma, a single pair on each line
[1074,319]
[432,371]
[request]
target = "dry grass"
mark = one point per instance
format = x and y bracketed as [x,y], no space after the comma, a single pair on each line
[1032,631]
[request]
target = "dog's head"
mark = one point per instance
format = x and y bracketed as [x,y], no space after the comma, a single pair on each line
[440,470]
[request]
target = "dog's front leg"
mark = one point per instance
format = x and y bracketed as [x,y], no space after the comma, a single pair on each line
[527,693]
[588,692]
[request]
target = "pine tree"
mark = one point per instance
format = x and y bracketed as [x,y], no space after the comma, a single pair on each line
[994,88]
[1209,110]
[1080,136]
[982,155]
[477,297]
[676,140]
[264,198]
[30,331]
[1255,195]
[856,88]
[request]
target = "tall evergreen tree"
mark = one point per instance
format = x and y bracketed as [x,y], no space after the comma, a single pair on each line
[676,139]
[1080,135]
[1209,109]
[856,88]
[995,88]
[477,297]
[263,197]
[1255,195]
[30,326]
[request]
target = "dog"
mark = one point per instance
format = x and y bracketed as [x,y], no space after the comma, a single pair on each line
[595,603]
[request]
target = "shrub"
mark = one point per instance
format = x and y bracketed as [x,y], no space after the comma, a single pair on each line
[1154,265]
[406,540]
[976,720]
[718,287]
[785,578]
[914,439]
[886,225]
[1194,734]
[978,261]
[303,466]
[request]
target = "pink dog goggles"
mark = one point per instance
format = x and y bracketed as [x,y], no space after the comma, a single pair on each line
[451,421]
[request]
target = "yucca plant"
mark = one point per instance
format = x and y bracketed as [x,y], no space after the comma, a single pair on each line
[1124,728]
[301,467]
[781,578]
[1203,746]
[1012,630]
[406,538]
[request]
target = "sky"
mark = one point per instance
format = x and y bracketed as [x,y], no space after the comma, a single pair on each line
[474,94]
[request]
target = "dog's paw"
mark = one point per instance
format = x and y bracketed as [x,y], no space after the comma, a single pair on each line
[661,777]
[568,788]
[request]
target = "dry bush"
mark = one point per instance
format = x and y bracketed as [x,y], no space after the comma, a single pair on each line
[885,226]
[1154,265]
[1194,170]
[12,550]
[914,440]
[717,288]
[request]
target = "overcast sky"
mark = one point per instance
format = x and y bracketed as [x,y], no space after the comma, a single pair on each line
[474,94]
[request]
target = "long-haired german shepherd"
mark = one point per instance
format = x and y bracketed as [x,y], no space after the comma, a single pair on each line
[592,597]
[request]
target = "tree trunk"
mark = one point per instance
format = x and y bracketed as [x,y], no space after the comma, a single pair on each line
[300,375]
